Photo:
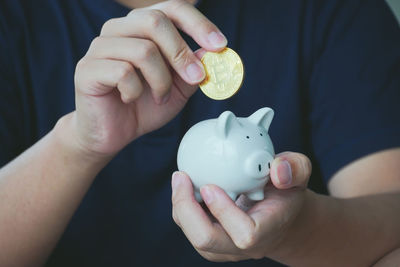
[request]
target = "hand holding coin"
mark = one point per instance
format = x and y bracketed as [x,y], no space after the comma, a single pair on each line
[224,74]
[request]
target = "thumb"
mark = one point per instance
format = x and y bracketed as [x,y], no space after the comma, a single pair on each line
[290,169]
[187,90]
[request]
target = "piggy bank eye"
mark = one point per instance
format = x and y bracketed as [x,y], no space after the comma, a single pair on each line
[248,137]
[269,165]
[261,134]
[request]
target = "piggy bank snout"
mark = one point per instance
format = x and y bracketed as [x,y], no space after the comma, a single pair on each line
[258,164]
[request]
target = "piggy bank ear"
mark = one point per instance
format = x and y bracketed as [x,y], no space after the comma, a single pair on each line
[225,122]
[262,117]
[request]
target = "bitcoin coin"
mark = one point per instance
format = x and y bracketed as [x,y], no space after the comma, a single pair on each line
[224,74]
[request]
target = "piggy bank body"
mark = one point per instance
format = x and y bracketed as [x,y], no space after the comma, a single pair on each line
[233,153]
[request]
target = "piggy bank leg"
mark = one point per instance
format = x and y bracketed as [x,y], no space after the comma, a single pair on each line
[197,196]
[256,195]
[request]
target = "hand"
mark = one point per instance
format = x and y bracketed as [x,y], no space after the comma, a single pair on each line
[139,73]
[243,230]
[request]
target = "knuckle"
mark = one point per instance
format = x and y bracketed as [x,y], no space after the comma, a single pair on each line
[156,18]
[81,68]
[159,94]
[107,26]
[181,55]
[83,80]
[95,43]
[247,241]
[205,242]
[148,50]
[126,98]
[130,88]
[81,65]
[164,87]
[130,95]
[133,12]
[123,70]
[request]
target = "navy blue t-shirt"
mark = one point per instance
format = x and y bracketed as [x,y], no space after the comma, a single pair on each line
[329,69]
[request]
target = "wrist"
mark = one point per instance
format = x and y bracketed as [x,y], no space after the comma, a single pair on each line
[300,239]
[66,134]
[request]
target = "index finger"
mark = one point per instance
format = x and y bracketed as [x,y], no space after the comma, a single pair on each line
[193,220]
[191,21]
[239,226]
[158,24]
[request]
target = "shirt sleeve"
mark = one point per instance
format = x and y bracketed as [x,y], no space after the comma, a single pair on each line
[12,140]
[354,83]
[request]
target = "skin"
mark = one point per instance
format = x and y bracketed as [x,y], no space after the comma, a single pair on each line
[296,226]
[117,88]
[133,79]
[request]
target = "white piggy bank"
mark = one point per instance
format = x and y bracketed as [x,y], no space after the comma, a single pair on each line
[233,153]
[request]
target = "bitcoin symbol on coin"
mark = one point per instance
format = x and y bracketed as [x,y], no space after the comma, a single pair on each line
[224,74]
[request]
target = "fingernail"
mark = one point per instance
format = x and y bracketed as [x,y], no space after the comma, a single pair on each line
[217,39]
[195,72]
[177,179]
[284,172]
[207,195]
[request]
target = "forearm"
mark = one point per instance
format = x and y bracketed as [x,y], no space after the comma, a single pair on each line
[39,192]
[343,232]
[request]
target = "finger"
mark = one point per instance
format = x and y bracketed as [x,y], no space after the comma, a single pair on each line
[218,257]
[200,53]
[290,169]
[187,91]
[109,74]
[130,87]
[154,25]
[194,222]
[190,20]
[141,53]
[239,226]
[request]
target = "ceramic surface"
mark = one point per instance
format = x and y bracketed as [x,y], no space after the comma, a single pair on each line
[231,152]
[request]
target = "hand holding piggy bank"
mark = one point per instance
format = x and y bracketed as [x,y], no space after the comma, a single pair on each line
[233,153]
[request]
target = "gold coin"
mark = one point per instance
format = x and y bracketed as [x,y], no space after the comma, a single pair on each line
[224,74]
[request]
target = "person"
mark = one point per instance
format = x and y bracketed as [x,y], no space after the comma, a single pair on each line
[95,97]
